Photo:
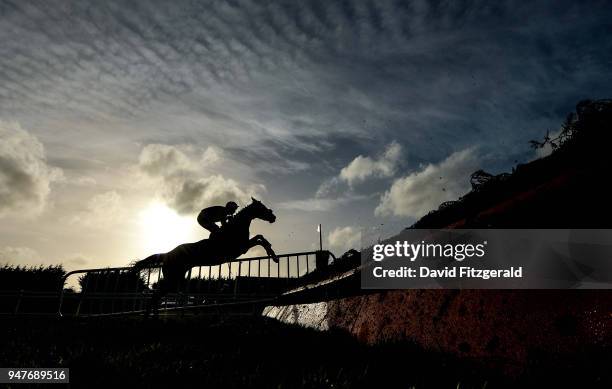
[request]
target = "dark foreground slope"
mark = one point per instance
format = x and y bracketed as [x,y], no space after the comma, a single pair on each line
[250,352]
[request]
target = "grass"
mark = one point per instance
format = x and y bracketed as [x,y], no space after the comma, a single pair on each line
[202,351]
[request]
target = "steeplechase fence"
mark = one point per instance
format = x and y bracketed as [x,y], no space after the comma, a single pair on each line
[121,290]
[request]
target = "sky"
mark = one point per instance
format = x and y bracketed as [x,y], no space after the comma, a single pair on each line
[120,120]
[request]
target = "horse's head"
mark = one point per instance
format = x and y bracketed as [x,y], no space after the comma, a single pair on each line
[260,211]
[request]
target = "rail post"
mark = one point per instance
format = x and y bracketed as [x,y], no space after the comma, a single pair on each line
[298,266]
[83,291]
[115,291]
[237,277]
[19,297]
[61,295]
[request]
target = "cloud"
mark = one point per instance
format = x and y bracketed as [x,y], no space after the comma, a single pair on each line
[342,239]
[321,204]
[212,155]
[256,251]
[77,259]
[334,191]
[294,72]
[18,255]
[181,183]
[25,176]
[102,211]
[163,160]
[362,167]
[84,181]
[188,195]
[331,187]
[422,191]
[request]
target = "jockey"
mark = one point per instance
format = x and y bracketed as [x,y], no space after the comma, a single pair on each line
[209,217]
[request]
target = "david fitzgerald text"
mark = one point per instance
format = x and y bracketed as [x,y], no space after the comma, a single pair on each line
[447,272]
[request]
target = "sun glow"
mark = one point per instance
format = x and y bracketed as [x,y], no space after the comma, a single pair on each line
[163,229]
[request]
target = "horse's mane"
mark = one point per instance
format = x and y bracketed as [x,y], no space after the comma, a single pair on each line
[243,209]
[240,213]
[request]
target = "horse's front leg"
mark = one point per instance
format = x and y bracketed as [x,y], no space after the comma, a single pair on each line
[259,240]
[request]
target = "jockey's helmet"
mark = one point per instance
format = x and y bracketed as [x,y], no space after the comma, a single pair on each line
[231,207]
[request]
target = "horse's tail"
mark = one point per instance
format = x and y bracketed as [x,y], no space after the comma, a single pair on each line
[151,261]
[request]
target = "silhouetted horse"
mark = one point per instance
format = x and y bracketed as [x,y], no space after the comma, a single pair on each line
[225,246]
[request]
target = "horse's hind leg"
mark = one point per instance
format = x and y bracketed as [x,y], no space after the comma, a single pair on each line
[161,291]
[154,302]
[171,283]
